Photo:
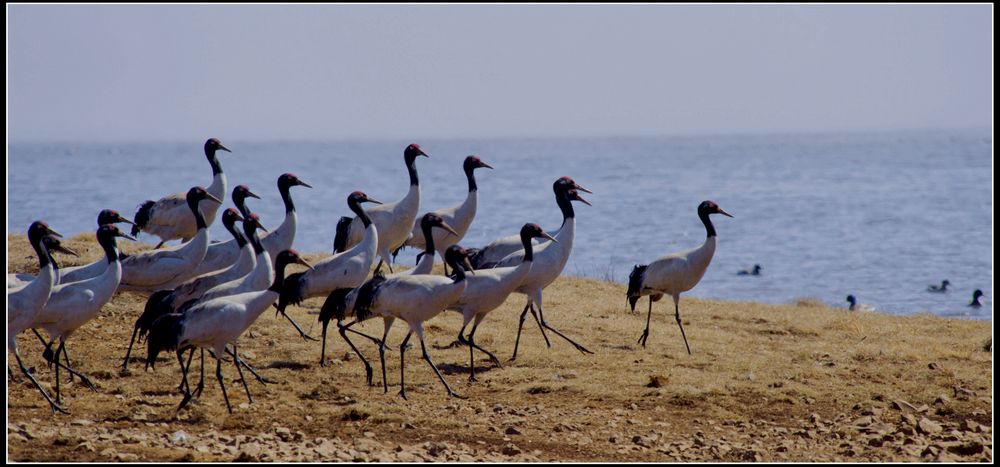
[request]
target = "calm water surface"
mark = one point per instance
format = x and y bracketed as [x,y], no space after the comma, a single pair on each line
[879,216]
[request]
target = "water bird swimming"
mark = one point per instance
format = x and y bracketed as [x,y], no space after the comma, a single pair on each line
[939,288]
[750,272]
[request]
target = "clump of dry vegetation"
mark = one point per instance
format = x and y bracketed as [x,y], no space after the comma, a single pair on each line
[799,382]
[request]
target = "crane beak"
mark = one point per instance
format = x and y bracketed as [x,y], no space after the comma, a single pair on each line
[724,213]
[483,164]
[66,250]
[304,263]
[580,199]
[373,200]
[578,187]
[549,237]
[304,184]
[447,227]
[468,266]
[122,219]
[251,194]
[125,235]
[224,148]
[210,197]
[422,153]
[261,227]
[52,232]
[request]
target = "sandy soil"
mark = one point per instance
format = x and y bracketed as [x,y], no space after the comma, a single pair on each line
[798,382]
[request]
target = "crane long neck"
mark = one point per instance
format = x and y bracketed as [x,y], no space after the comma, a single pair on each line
[286,196]
[356,207]
[529,251]
[214,161]
[709,227]
[110,246]
[251,232]
[241,241]
[43,254]
[472,179]
[459,271]
[565,205]
[411,167]
[428,239]
[199,218]
[279,276]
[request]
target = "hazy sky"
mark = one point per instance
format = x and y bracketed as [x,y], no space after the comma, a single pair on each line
[132,73]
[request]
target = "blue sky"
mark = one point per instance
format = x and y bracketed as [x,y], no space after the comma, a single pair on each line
[276,72]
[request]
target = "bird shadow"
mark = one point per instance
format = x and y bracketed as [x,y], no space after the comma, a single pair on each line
[283,364]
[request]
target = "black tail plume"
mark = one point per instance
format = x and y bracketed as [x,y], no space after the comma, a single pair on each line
[164,335]
[292,291]
[335,306]
[158,304]
[367,295]
[142,216]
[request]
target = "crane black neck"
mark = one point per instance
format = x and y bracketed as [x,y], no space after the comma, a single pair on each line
[199,218]
[110,245]
[709,227]
[241,241]
[214,161]
[43,253]
[286,196]
[565,205]
[458,268]
[472,178]
[251,231]
[529,253]
[411,167]
[426,227]
[279,274]
[356,207]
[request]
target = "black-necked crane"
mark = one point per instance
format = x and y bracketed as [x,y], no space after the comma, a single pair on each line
[393,220]
[341,271]
[489,288]
[341,301]
[169,218]
[162,302]
[459,217]
[74,273]
[24,303]
[550,259]
[491,254]
[674,273]
[975,303]
[281,238]
[214,324]
[755,271]
[162,269]
[222,255]
[413,299]
[939,288]
[73,304]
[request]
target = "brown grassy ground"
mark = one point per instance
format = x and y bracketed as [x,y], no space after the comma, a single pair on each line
[774,383]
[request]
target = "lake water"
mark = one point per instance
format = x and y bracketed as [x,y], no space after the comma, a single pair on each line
[880,216]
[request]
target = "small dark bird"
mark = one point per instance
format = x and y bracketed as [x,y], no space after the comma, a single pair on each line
[939,288]
[975,299]
[750,272]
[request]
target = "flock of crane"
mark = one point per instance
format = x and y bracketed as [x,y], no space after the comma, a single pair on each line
[205,295]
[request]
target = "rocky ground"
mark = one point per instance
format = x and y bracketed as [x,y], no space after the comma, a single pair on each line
[798,382]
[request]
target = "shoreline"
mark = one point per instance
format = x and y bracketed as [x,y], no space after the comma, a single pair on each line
[765,382]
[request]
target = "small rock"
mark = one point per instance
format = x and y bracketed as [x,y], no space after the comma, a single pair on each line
[900,404]
[126,457]
[933,365]
[511,450]
[927,426]
[941,400]
[81,422]
[511,431]
[656,381]
[179,437]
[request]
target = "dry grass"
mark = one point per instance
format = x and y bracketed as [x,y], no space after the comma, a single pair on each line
[757,371]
